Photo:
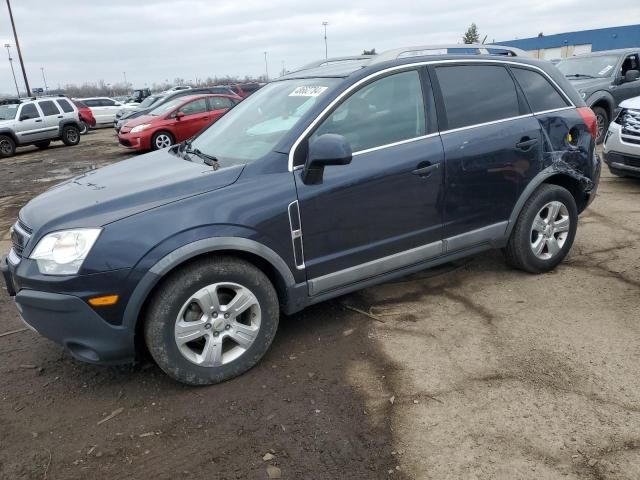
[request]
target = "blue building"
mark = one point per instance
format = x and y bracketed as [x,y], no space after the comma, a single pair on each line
[563,45]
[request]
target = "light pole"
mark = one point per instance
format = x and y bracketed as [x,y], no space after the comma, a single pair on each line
[326,51]
[126,85]
[15,36]
[266,66]
[8,46]
[46,89]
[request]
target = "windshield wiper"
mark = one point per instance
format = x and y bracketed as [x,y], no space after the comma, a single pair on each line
[186,151]
[578,75]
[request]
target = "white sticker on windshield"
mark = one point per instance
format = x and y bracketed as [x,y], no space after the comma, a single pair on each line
[308,91]
[605,69]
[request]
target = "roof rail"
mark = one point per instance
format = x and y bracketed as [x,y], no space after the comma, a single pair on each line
[424,50]
[329,61]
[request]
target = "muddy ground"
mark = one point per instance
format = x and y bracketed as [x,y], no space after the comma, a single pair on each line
[471,371]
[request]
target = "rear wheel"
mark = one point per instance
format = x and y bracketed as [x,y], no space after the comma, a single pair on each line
[602,118]
[161,140]
[212,320]
[7,146]
[43,144]
[84,127]
[70,135]
[545,230]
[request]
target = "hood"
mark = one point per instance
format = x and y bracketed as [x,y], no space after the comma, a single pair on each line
[589,83]
[631,103]
[125,188]
[135,121]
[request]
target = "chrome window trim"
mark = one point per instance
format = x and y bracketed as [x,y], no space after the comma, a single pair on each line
[387,145]
[492,122]
[553,110]
[411,66]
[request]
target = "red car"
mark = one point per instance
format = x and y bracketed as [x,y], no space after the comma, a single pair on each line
[245,89]
[175,121]
[85,114]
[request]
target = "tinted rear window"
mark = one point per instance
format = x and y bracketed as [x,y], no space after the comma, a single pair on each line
[65,105]
[540,94]
[477,94]
[49,108]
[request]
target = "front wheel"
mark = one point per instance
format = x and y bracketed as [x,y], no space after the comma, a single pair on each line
[70,135]
[545,230]
[602,119]
[212,320]
[161,140]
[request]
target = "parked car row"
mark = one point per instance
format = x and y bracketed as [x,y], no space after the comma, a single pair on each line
[622,141]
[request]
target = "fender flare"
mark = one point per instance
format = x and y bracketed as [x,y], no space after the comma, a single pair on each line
[603,95]
[208,245]
[64,123]
[10,133]
[539,179]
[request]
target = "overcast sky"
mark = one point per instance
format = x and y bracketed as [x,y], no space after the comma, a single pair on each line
[80,41]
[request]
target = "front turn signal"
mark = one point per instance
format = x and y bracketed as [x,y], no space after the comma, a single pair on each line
[104,301]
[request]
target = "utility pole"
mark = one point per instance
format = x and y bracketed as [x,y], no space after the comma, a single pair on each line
[266,66]
[126,85]
[8,46]
[326,51]
[46,89]
[15,36]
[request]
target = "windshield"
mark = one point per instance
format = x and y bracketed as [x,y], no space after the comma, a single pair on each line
[8,112]
[254,127]
[598,66]
[147,102]
[166,107]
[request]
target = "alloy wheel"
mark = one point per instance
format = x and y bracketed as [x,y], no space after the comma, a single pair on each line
[217,324]
[601,120]
[5,147]
[163,141]
[550,230]
[72,135]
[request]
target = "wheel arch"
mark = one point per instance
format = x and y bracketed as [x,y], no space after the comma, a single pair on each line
[269,262]
[573,181]
[9,133]
[66,122]
[604,100]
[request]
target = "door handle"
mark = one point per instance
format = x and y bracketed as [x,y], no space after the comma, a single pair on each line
[59,116]
[526,143]
[38,121]
[425,169]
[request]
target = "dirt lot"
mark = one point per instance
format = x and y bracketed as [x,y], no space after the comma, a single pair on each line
[473,371]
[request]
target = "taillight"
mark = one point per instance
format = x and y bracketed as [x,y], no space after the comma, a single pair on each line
[590,120]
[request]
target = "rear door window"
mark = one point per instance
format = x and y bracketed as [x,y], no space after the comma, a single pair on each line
[197,106]
[218,103]
[65,105]
[49,108]
[92,103]
[540,94]
[476,94]
[386,111]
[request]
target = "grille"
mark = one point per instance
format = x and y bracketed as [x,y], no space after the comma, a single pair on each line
[631,123]
[20,235]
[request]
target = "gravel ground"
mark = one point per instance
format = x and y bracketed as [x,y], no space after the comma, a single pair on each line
[471,371]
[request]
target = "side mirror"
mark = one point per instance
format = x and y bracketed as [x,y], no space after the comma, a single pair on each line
[327,149]
[179,115]
[631,76]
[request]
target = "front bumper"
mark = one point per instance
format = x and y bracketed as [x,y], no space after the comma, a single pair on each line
[134,141]
[69,321]
[622,154]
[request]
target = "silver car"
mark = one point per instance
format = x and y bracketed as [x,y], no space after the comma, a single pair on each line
[622,142]
[37,122]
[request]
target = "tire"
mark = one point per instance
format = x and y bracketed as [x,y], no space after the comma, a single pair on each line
[84,127]
[161,139]
[70,135]
[552,241]
[218,348]
[43,144]
[602,118]
[7,146]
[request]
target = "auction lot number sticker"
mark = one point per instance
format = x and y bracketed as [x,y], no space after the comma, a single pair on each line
[310,91]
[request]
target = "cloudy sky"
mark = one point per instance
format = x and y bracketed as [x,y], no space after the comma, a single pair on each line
[80,41]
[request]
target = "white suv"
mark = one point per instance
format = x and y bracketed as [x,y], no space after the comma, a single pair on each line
[104,109]
[37,122]
[622,142]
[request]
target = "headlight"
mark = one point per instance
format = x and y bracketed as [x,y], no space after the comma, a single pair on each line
[140,128]
[62,253]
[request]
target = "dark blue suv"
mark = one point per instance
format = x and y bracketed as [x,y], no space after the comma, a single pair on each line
[342,175]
